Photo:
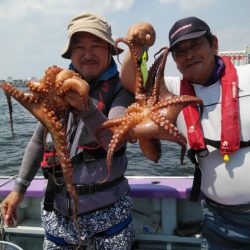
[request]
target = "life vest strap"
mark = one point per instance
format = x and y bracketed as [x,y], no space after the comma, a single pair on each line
[195,190]
[48,202]
[92,155]
[216,144]
[83,189]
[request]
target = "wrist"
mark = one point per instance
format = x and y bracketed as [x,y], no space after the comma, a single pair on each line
[21,185]
[22,182]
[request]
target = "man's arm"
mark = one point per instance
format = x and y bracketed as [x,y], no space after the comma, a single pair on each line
[30,165]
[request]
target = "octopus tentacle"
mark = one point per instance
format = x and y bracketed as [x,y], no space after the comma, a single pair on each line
[160,74]
[58,105]
[172,134]
[19,95]
[50,76]
[151,92]
[151,148]
[62,77]
[79,86]
[37,86]
[43,84]
[116,140]
[156,77]
[109,124]
[58,134]
[135,58]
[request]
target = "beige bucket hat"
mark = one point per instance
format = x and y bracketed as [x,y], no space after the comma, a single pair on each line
[94,24]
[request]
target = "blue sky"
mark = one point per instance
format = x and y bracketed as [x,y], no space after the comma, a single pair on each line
[33,32]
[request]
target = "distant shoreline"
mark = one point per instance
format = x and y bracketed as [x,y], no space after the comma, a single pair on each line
[16,83]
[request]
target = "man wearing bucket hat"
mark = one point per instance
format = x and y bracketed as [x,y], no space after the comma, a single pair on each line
[219,143]
[104,212]
[94,25]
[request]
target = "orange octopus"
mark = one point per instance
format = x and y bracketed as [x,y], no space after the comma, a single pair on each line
[45,100]
[152,117]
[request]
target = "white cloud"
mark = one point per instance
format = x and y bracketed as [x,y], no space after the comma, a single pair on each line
[16,9]
[187,5]
[33,33]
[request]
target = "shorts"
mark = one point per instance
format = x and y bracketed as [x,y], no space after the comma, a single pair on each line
[91,227]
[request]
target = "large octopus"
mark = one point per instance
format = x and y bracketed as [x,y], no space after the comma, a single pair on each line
[45,100]
[152,117]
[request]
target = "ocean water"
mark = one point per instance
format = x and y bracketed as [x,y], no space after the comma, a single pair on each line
[12,149]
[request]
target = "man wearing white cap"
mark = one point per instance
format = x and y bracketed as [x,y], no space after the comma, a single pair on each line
[104,211]
[220,142]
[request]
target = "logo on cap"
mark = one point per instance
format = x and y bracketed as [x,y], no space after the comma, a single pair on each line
[180,29]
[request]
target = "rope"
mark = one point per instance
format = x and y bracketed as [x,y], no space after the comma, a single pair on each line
[8,180]
[6,245]
[2,231]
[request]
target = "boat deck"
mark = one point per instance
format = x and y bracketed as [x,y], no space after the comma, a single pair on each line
[160,205]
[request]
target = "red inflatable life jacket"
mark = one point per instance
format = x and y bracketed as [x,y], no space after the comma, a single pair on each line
[230,126]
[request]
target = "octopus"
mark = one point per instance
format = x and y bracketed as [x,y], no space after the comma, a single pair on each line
[152,117]
[45,101]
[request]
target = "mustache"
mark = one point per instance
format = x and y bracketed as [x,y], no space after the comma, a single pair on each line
[86,61]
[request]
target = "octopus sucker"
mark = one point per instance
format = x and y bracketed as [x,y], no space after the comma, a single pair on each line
[45,101]
[152,117]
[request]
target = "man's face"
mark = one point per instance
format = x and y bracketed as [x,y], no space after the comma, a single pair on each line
[90,55]
[195,58]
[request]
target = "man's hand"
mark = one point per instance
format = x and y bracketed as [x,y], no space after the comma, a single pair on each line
[76,101]
[9,206]
[142,34]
